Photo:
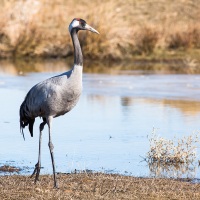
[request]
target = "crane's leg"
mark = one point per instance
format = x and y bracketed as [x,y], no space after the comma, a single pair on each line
[49,122]
[38,164]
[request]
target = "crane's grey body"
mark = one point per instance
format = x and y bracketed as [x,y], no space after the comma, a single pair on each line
[54,96]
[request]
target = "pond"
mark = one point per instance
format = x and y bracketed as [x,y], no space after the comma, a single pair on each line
[107,130]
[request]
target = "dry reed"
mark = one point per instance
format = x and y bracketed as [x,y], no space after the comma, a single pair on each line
[43,31]
[180,151]
[39,28]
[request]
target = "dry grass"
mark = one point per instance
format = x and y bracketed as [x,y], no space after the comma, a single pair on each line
[172,158]
[130,28]
[43,30]
[177,151]
[189,38]
[146,40]
[96,186]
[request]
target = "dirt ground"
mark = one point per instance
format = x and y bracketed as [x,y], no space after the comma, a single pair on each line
[96,186]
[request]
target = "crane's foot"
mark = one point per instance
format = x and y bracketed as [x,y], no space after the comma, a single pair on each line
[56,186]
[36,171]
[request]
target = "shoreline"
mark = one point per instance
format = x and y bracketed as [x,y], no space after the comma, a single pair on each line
[180,64]
[96,186]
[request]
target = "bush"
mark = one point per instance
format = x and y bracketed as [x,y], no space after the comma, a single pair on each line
[185,39]
[146,40]
[171,151]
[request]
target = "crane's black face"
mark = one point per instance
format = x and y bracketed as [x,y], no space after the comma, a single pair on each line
[80,24]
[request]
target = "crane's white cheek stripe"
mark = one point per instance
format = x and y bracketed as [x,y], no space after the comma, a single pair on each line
[74,24]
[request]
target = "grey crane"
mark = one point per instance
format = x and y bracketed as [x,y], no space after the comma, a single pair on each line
[55,96]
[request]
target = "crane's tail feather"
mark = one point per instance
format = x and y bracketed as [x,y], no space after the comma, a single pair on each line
[22,131]
[23,124]
[26,119]
[30,126]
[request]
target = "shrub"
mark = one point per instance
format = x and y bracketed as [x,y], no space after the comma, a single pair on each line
[185,39]
[146,40]
[168,151]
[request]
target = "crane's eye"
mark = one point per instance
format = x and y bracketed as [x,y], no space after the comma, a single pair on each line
[83,24]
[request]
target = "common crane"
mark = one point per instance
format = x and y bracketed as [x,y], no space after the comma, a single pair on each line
[55,96]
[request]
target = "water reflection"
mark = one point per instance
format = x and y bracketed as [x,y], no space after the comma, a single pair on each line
[136,67]
[160,170]
[126,101]
[190,108]
[20,67]
[187,107]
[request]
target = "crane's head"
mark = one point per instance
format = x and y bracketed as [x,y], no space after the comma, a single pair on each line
[80,24]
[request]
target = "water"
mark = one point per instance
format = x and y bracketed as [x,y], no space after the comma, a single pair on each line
[107,131]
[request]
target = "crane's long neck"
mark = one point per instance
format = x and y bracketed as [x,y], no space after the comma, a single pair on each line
[78,56]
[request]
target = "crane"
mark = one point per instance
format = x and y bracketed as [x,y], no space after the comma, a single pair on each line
[54,96]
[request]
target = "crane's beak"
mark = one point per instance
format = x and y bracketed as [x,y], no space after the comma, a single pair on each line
[89,28]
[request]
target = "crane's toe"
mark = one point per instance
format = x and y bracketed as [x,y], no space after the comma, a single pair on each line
[56,186]
[36,171]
